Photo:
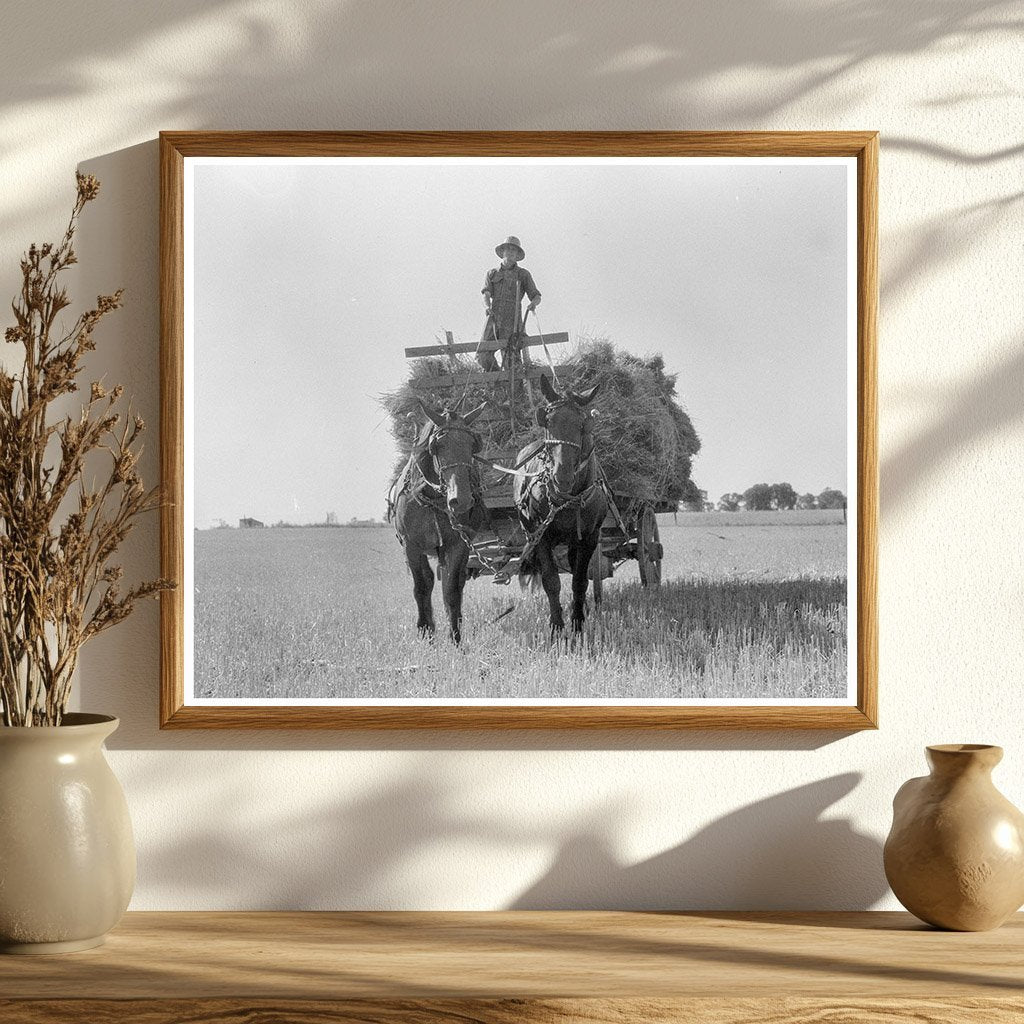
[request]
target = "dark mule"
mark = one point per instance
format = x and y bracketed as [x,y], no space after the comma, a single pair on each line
[436,505]
[560,498]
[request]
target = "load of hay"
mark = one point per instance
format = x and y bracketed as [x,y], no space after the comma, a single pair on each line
[645,440]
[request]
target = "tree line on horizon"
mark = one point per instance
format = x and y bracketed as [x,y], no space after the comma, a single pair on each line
[768,497]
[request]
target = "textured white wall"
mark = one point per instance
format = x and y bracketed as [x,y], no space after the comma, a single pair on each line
[747,820]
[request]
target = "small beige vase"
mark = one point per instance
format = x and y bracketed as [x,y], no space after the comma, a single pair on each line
[67,855]
[955,855]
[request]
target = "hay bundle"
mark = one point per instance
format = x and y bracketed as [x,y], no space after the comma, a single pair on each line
[645,440]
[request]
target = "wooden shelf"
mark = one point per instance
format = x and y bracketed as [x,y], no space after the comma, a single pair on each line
[415,968]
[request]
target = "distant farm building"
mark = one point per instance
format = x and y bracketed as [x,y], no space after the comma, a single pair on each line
[249,524]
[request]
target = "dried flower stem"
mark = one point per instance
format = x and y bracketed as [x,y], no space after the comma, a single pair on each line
[57,586]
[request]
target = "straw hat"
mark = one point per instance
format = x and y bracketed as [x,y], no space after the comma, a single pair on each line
[512,241]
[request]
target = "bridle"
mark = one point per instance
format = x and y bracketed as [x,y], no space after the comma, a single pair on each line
[440,505]
[440,468]
[549,442]
[437,501]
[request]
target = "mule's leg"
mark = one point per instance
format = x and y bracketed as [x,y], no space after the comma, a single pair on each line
[552,584]
[422,586]
[580,553]
[453,582]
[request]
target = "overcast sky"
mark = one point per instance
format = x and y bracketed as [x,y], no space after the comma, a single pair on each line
[310,280]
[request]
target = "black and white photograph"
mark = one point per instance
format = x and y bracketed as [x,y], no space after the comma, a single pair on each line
[520,431]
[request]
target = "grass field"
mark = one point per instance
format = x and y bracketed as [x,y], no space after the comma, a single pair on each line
[752,605]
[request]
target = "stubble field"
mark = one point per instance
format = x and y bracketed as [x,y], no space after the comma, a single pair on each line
[753,605]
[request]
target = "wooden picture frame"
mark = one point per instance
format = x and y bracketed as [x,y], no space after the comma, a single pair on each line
[180,710]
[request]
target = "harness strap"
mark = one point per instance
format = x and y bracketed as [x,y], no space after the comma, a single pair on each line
[556,508]
[512,472]
[440,508]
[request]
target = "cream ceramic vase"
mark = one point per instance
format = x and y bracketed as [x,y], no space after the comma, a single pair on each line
[955,855]
[67,855]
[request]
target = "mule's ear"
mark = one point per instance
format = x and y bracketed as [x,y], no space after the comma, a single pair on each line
[542,415]
[548,388]
[586,397]
[473,414]
[432,414]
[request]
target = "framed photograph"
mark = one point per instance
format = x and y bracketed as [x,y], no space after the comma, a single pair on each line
[519,430]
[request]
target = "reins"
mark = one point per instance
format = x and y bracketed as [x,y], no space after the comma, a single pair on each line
[544,344]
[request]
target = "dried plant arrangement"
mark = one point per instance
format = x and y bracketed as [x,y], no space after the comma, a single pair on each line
[58,532]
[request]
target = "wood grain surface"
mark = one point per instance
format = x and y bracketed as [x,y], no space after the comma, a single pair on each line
[514,1011]
[302,143]
[176,146]
[172,425]
[867,415]
[534,966]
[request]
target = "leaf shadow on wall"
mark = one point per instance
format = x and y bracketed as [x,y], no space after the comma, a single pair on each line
[200,63]
[968,415]
[775,854]
[301,59]
[404,843]
[352,852]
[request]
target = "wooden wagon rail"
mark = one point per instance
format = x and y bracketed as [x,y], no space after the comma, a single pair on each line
[453,347]
[443,380]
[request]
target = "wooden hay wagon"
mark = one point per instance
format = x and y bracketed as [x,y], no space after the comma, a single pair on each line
[630,529]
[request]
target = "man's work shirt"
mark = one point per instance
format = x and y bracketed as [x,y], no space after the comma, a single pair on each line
[506,314]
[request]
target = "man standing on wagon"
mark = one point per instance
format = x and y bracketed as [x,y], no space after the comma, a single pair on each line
[503,291]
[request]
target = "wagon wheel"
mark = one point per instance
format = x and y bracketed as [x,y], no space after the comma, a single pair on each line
[648,548]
